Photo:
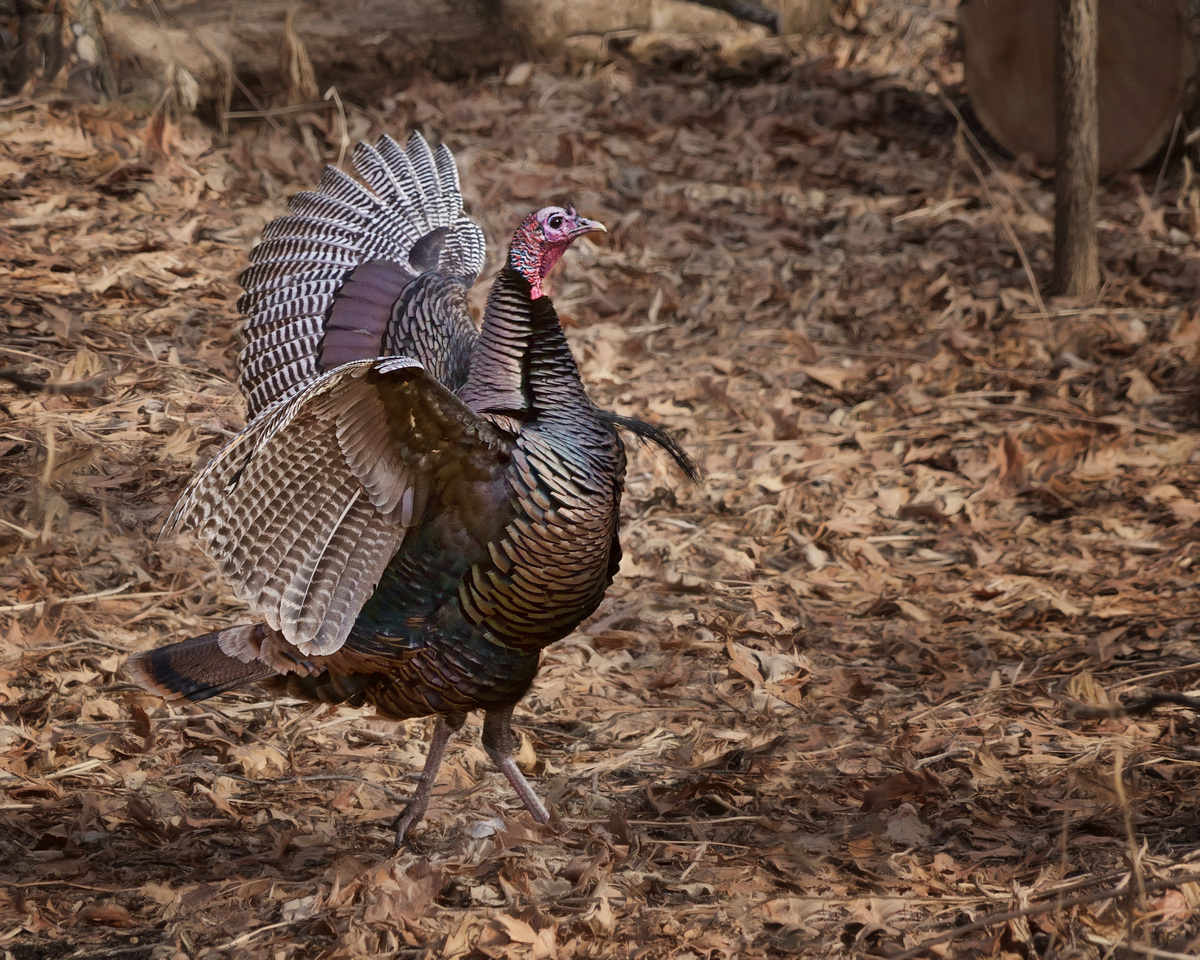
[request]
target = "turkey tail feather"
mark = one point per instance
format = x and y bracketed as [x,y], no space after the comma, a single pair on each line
[323,282]
[194,669]
[657,435]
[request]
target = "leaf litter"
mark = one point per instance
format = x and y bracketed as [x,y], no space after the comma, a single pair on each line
[826,710]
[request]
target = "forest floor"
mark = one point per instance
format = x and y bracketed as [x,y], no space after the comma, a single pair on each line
[857,695]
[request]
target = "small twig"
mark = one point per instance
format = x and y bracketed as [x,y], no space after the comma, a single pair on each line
[123,951]
[1156,197]
[31,884]
[964,131]
[251,934]
[684,823]
[40,358]
[1012,236]
[27,534]
[278,111]
[1135,849]
[82,767]
[1047,411]
[1130,948]
[956,750]
[343,127]
[1143,679]
[307,778]
[82,598]
[227,92]
[1035,910]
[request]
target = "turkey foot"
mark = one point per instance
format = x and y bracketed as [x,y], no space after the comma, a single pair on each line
[445,728]
[497,741]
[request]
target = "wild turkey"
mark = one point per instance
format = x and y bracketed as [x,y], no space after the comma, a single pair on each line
[417,507]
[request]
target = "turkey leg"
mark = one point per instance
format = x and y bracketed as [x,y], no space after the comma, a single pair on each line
[445,728]
[497,741]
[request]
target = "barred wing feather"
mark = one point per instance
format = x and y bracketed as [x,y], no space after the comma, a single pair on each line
[304,509]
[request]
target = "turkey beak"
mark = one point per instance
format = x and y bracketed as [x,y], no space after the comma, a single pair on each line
[585,225]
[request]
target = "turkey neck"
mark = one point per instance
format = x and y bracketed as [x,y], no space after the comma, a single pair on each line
[521,366]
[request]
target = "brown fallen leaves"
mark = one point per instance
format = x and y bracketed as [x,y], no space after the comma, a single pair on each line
[828,709]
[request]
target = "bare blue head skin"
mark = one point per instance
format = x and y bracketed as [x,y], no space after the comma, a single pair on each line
[542,238]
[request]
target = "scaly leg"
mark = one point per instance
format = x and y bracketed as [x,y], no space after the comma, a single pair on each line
[445,728]
[497,741]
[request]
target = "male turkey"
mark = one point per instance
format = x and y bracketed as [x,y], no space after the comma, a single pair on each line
[416,507]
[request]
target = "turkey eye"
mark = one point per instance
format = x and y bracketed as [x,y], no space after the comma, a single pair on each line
[556,221]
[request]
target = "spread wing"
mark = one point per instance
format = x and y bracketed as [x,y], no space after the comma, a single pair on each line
[341,275]
[303,510]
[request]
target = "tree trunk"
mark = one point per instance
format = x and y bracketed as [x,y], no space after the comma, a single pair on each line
[1076,148]
[1145,57]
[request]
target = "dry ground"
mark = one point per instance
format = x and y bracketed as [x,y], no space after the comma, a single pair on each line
[831,707]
